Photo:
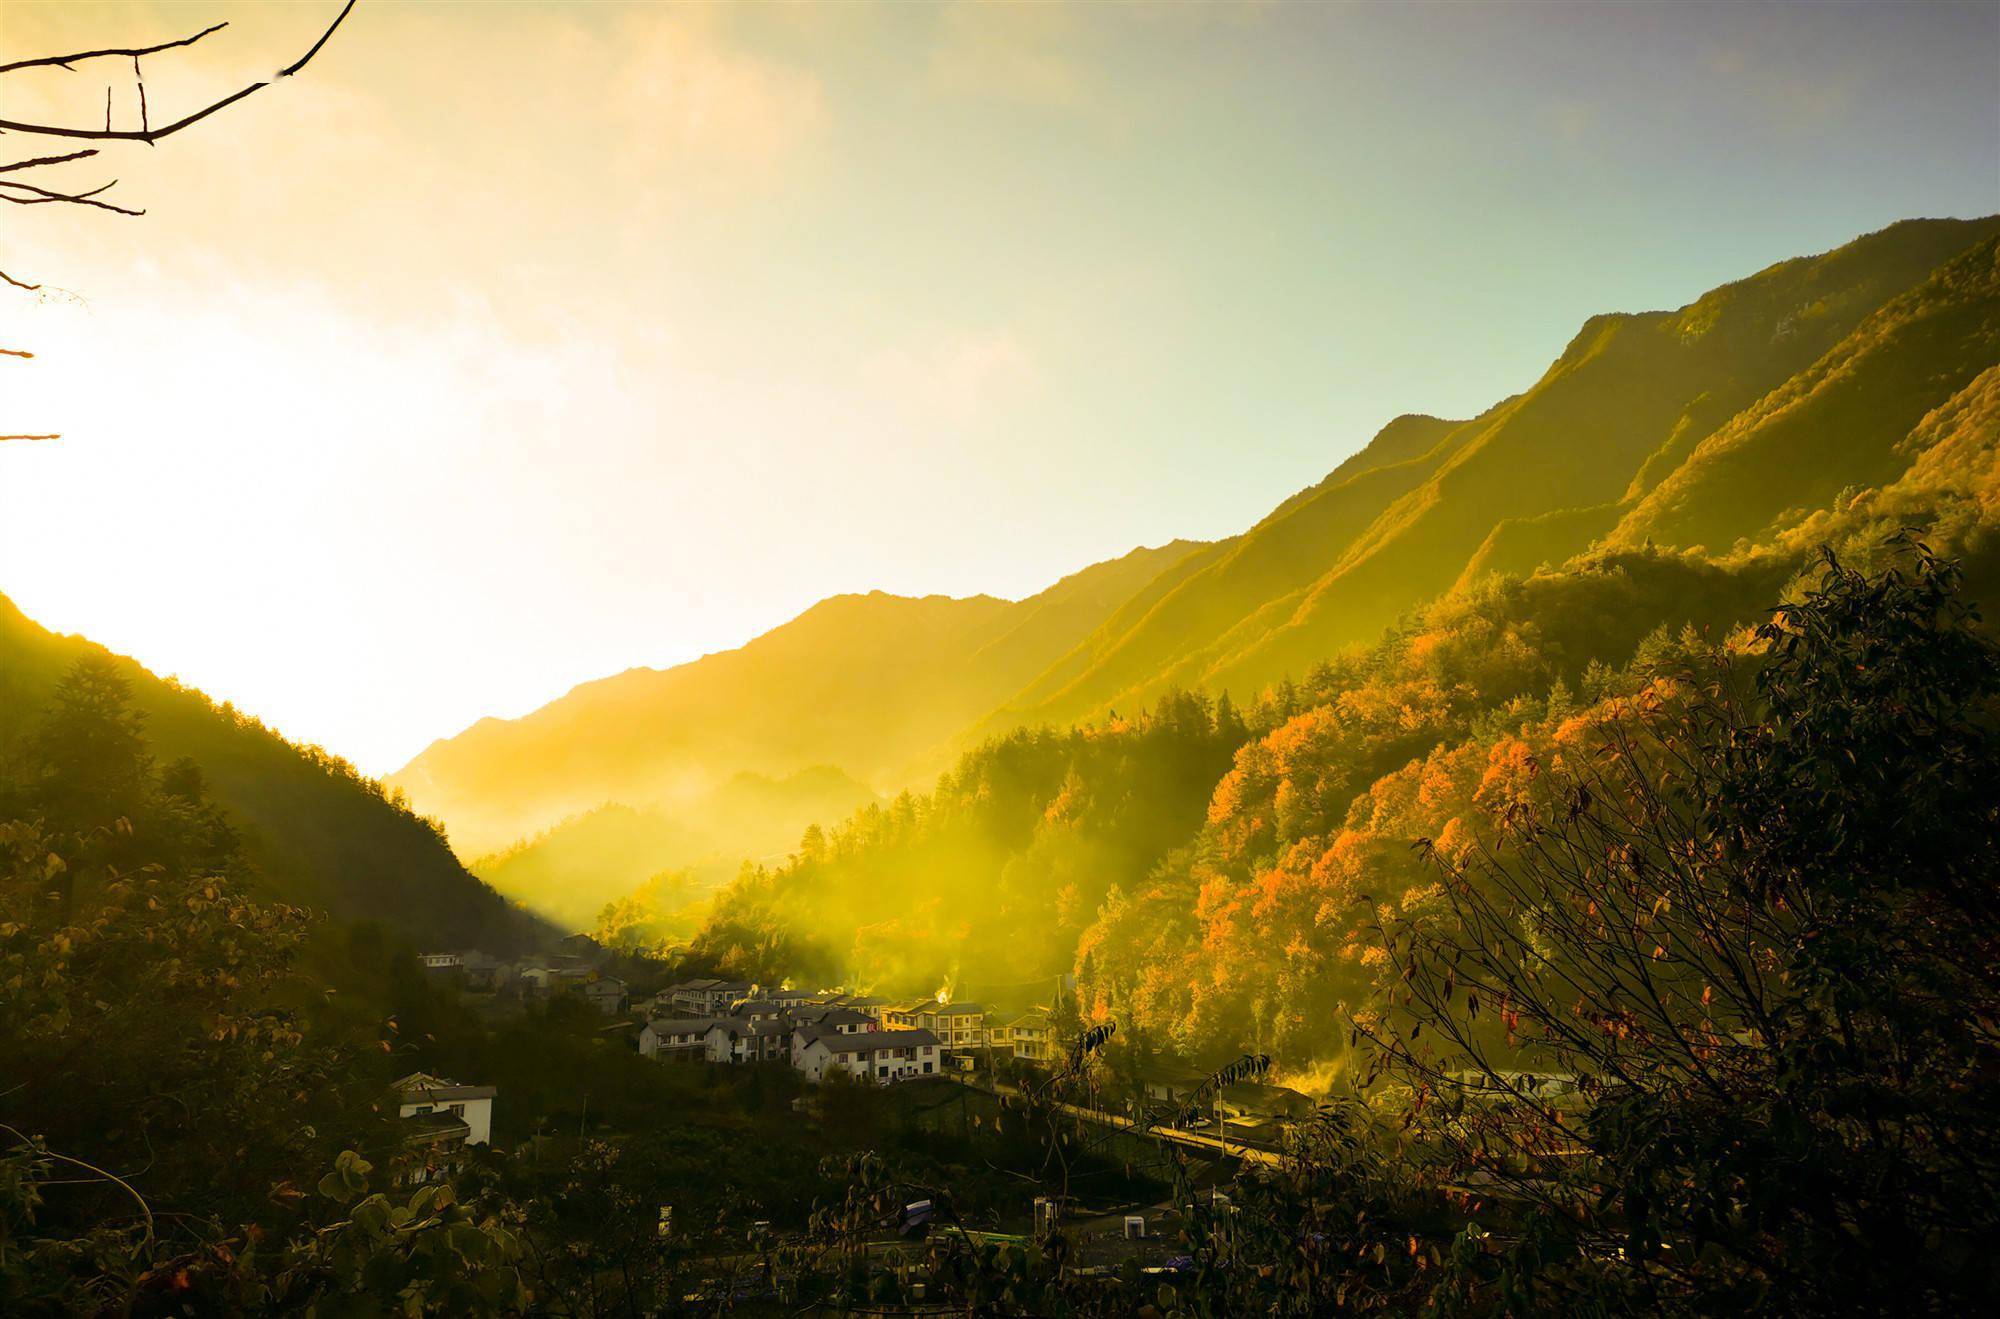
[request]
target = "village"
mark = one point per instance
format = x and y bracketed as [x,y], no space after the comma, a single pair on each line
[831,1034]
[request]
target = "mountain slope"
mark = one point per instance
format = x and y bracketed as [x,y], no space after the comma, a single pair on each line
[1156,639]
[1732,417]
[1838,423]
[1430,504]
[319,833]
[874,684]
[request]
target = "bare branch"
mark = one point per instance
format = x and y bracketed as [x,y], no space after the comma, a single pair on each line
[28,438]
[39,161]
[65,61]
[149,134]
[43,196]
[19,284]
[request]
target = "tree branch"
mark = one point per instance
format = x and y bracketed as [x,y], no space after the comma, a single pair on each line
[42,196]
[146,133]
[39,161]
[65,61]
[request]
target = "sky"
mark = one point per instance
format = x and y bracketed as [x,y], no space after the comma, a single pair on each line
[511,345]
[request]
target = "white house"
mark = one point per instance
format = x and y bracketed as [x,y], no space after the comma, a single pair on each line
[1027,1036]
[824,1017]
[866,1004]
[708,998]
[760,1008]
[443,961]
[675,1038]
[606,994]
[957,1025]
[550,974]
[423,1095]
[879,1056]
[737,1040]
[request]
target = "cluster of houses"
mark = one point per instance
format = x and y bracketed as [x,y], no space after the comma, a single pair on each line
[819,1034]
[577,969]
[874,1039]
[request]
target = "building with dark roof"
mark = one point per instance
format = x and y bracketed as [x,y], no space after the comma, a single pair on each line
[880,1056]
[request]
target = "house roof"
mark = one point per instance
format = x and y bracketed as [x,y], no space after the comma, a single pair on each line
[960,1009]
[681,1025]
[422,1087]
[868,1042]
[738,1027]
[829,1017]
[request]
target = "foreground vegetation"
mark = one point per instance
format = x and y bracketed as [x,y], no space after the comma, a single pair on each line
[1702,1021]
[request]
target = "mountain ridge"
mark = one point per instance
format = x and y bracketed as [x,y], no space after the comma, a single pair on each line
[1428,507]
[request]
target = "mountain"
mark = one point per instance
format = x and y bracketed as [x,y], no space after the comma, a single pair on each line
[1765,406]
[1432,504]
[1837,424]
[570,871]
[320,834]
[874,684]
[1217,877]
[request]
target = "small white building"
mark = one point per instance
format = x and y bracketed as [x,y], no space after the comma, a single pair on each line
[675,1039]
[739,1040]
[707,998]
[824,1018]
[606,994]
[422,1095]
[879,1056]
[1027,1037]
[957,1025]
[443,961]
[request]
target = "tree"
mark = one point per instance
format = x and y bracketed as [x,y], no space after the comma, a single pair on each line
[163,1076]
[1720,1001]
[33,179]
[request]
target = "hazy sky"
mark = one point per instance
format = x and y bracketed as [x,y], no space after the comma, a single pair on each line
[516,344]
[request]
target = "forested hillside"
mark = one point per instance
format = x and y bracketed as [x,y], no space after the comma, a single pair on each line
[1813,390]
[318,832]
[1216,874]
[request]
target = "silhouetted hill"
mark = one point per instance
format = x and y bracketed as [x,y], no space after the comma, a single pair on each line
[320,833]
[874,684]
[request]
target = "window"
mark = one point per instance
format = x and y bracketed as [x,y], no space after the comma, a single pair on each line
[927,1068]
